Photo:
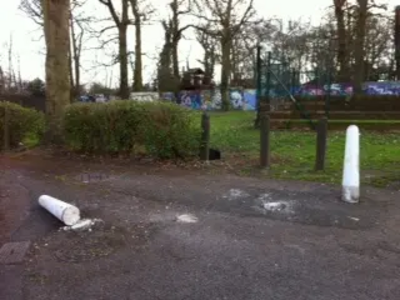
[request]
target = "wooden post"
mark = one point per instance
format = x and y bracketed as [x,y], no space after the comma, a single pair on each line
[6,129]
[264,140]
[205,137]
[322,134]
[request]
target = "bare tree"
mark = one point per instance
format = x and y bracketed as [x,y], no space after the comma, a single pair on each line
[343,54]
[75,55]
[33,9]
[379,48]
[78,18]
[178,8]
[210,57]
[363,14]
[121,23]
[11,71]
[165,78]
[227,19]
[141,12]
[56,17]
[359,45]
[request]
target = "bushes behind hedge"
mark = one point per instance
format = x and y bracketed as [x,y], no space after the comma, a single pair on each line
[164,130]
[23,123]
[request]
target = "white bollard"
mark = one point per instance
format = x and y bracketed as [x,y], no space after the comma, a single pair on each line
[351,167]
[63,211]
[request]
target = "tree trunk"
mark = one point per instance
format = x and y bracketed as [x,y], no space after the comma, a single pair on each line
[225,73]
[77,75]
[76,49]
[123,61]
[71,75]
[137,72]
[137,75]
[58,89]
[342,51]
[175,61]
[359,51]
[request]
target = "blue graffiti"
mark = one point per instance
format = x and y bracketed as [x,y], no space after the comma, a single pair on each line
[246,99]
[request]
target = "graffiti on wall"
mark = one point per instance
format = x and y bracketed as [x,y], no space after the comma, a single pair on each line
[245,99]
[211,100]
[345,89]
[144,96]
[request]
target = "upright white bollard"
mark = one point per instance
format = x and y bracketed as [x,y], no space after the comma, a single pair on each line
[63,211]
[351,167]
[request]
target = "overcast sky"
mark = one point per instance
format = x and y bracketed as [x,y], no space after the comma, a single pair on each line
[30,48]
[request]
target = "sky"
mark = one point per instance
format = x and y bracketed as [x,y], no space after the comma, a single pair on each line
[28,45]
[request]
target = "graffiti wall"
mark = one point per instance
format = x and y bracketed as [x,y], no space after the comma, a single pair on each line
[211,100]
[344,89]
[144,96]
[245,99]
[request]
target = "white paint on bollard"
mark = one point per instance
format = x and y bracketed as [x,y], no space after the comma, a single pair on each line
[65,212]
[351,167]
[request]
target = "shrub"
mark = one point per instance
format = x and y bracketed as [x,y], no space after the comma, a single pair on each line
[102,127]
[169,130]
[163,129]
[24,123]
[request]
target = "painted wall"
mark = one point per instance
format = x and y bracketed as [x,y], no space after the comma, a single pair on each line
[246,99]
[144,96]
[370,88]
[210,100]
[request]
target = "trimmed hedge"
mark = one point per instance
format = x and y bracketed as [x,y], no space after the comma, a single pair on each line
[24,123]
[164,130]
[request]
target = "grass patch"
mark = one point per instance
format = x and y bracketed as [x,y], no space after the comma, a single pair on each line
[293,152]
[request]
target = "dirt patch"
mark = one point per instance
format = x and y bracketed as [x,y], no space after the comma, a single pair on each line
[83,246]
[93,245]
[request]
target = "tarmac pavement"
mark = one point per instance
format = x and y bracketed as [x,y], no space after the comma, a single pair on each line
[245,239]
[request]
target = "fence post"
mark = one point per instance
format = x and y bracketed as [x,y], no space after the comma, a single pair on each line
[268,82]
[205,137]
[6,129]
[264,140]
[258,85]
[322,133]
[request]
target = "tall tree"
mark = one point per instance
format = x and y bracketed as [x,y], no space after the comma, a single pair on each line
[78,18]
[343,53]
[359,45]
[363,15]
[76,32]
[178,8]
[141,12]
[165,78]
[121,23]
[210,57]
[56,17]
[227,18]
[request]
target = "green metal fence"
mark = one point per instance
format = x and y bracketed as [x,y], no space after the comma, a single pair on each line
[276,84]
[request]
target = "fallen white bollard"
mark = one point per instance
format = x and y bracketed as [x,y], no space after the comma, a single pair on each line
[351,167]
[66,213]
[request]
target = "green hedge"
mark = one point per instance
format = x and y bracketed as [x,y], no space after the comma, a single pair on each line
[23,123]
[164,130]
